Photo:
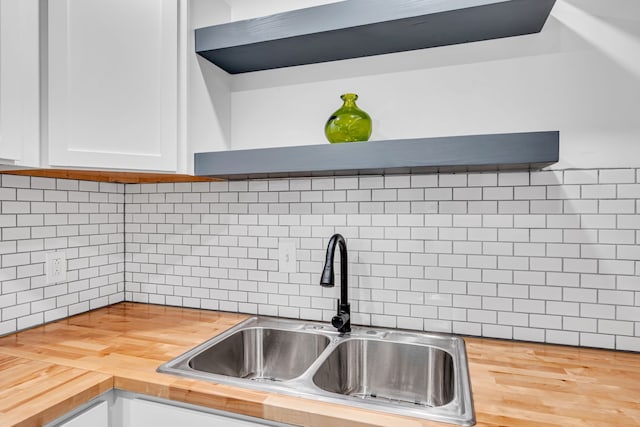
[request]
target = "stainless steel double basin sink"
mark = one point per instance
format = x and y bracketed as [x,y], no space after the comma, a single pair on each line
[413,374]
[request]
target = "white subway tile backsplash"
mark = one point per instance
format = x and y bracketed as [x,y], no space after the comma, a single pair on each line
[497,248]
[580,206]
[598,281]
[542,256]
[580,265]
[529,334]
[606,266]
[44,219]
[371,182]
[513,235]
[625,191]
[466,328]
[562,337]
[545,321]
[452,180]
[628,313]
[397,181]
[497,193]
[18,181]
[630,252]
[617,206]
[579,324]
[513,207]
[489,179]
[597,340]
[421,181]
[497,331]
[509,318]
[628,221]
[548,178]
[530,193]
[563,192]
[599,191]
[438,194]
[411,194]
[484,207]
[615,327]
[581,176]
[513,178]
[546,207]
[617,176]
[581,236]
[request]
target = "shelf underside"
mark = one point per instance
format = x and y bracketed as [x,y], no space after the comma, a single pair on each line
[531,150]
[359,28]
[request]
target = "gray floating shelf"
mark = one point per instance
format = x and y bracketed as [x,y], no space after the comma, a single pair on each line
[529,150]
[358,28]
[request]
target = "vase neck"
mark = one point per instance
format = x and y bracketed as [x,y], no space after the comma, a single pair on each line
[349,99]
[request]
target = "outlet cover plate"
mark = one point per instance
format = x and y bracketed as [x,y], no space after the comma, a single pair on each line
[287,256]
[56,267]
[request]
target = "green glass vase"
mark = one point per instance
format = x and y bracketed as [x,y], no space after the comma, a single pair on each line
[349,123]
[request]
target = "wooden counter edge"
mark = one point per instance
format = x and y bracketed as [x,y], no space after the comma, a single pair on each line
[63,399]
[110,176]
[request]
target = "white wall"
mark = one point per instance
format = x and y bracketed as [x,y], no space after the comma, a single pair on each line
[208,87]
[247,9]
[580,75]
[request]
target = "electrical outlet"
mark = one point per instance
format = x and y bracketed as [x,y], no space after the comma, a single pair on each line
[287,256]
[55,267]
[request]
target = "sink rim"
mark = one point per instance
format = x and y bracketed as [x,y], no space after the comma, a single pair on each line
[458,411]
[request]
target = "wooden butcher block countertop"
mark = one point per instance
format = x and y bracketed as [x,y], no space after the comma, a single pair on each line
[49,370]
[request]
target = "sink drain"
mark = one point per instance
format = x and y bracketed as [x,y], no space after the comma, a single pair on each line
[265,379]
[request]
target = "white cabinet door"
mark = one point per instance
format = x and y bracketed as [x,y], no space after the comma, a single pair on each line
[137,412]
[95,416]
[19,82]
[113,84]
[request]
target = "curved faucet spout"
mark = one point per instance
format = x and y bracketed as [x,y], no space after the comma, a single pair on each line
[342,320]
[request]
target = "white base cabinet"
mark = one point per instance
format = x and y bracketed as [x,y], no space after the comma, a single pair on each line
[138,412]
[94,416]
[123,409]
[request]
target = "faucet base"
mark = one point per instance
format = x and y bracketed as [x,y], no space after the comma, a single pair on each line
[342,320]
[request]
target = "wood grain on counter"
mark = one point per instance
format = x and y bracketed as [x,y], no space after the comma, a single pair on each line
[110,176]
[524,384]
[514,384]
[33,392]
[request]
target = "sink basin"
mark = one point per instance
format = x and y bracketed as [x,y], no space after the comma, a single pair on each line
[262,354]
[408,373]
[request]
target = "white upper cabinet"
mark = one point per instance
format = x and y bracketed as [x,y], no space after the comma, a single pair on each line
[113,84]
[19,83]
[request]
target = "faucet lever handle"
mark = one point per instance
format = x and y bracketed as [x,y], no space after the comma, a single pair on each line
[342,320]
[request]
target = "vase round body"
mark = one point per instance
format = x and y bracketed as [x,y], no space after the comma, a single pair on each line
[349,123]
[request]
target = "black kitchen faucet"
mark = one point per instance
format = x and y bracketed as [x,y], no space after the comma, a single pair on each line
[342,320]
